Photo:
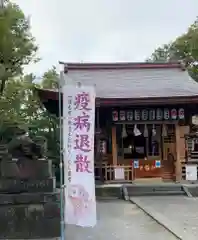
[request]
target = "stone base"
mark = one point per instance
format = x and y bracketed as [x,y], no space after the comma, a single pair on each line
[39,218]
[29,198]
[26,169]
[27,185]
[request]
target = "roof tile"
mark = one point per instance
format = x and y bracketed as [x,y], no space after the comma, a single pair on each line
[136,83]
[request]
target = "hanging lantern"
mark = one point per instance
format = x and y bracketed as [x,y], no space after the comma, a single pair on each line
[173,114]
[166,114]
[129,115]
[122,116]
[124,132]
[137,115]
[115,116]
[136,131]
[145,131]
[159,114]
[181,113]
[144,114]
[152,114]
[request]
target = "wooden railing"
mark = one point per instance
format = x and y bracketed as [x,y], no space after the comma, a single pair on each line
[106,173]
[109,176]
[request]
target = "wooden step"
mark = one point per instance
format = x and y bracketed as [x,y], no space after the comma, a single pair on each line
[148,180]
[156,189]
[167,176]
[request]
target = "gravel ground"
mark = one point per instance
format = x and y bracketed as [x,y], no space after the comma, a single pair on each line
[120,220]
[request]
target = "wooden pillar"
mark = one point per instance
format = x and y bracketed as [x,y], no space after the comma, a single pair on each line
[114,146]
[178,165]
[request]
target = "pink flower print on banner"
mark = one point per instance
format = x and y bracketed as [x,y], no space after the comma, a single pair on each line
[80,200]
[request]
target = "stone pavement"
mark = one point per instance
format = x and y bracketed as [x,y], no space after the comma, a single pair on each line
[178,213]
[120,220]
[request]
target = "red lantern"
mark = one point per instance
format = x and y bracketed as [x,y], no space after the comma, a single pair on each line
[181,113]
[174,114]
[115,116]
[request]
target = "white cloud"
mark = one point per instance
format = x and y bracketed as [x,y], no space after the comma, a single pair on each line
[101,30]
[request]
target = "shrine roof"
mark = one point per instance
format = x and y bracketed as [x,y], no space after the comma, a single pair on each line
[134,80]
[139,82]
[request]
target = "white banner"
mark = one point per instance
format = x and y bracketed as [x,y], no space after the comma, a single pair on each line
[78,140]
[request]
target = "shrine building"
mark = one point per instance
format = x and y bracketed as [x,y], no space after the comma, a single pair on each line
[144,115]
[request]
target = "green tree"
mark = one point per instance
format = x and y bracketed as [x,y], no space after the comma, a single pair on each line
[46,124]
[17,45]
[42,122]
[20,106]
[50,79]
[163,54]
[14,102]
[184,48]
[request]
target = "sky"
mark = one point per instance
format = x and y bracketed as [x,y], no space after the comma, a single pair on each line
[104,30]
